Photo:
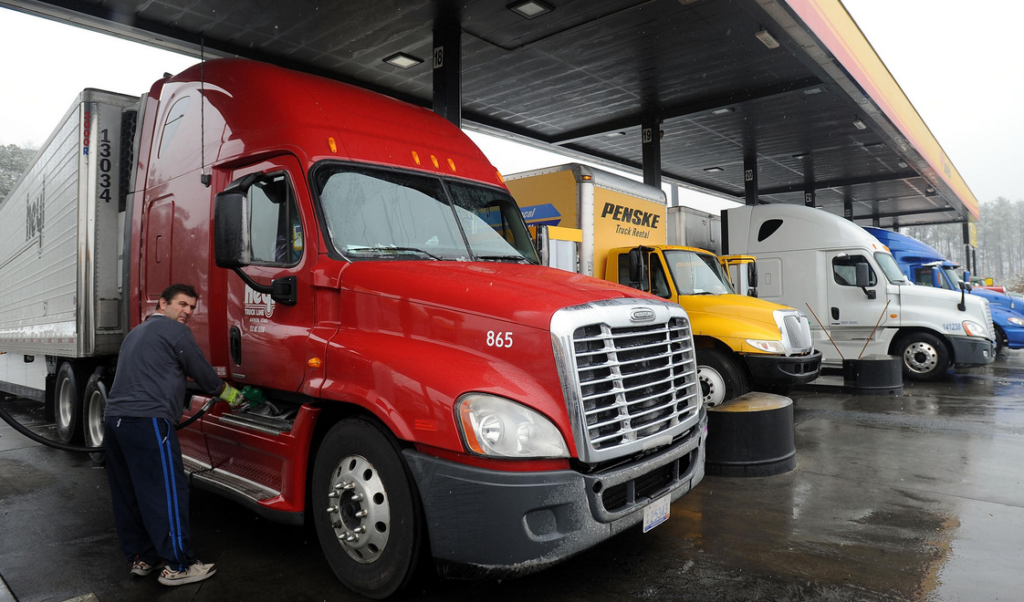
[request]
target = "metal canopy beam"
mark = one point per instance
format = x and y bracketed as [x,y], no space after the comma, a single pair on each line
[905,174]
[690,108]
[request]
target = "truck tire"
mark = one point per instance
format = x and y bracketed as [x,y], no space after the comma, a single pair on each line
[366,510]
[925,357]
[1001,342]
[94,403]
[719,378]
[68,403]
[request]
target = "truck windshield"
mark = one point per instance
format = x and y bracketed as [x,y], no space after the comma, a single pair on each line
[954,278]
[890,268]
[382,214]
[697,273]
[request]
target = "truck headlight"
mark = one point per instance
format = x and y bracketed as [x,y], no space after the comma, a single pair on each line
[1016,321]
[767,346]
[494,426]
[974,329]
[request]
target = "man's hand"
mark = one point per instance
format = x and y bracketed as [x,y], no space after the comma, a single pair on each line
[233,396]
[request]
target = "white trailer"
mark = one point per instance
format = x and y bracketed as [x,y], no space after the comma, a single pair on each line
[809,258]
[688,227]
[61,246]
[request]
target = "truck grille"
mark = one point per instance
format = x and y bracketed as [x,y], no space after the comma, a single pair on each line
[798,339]
[635,386]
[988,319]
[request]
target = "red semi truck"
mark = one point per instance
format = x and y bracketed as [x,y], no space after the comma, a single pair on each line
[431,388]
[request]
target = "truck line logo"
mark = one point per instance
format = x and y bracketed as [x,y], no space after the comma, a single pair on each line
[641,314]
[258,305]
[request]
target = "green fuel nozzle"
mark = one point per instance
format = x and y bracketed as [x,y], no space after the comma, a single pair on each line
[253,396]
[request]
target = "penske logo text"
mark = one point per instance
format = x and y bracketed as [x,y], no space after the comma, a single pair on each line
[636,217]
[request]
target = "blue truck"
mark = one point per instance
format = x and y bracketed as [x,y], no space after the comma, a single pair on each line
[925,266]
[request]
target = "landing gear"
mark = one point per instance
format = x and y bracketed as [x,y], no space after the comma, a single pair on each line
[366,511]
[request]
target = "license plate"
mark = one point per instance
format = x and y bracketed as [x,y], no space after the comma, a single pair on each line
[657,512]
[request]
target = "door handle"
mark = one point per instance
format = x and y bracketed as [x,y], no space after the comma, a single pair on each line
[235,345]
[835,313]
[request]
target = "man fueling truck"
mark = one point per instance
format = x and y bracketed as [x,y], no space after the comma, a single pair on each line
[610,227]
[430,389]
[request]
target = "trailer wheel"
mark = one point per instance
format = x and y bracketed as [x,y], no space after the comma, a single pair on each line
[925,357]
[719,377]
[68,403]
[366,510]
[94,403]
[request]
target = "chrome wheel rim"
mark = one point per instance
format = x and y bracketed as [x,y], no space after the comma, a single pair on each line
[921,358]
[359,510]
[94,421]
[712,386]
[65,403]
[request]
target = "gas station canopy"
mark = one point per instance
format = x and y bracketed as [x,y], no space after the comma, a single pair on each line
[752,100]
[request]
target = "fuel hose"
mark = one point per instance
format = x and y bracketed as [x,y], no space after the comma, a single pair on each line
[21,428]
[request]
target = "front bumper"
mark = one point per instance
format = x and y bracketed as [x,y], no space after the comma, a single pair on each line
[783,370]
[972,350]
[486,523]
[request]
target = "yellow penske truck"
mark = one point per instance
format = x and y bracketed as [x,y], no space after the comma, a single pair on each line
[603,225]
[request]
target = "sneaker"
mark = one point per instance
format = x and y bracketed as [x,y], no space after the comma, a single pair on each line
[197,571]
[142,568]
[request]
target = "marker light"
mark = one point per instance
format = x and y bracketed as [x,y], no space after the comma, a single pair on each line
[315,362]
[451,164]
[498,427]
[500,179]
[332,144]
[433,160]
[416,157]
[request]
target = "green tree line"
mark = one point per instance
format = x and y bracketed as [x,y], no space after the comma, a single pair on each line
[14,160]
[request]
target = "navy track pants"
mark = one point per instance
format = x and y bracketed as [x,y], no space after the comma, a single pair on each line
[148,490]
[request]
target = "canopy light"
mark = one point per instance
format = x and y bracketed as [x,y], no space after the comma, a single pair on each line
[530,8]
[902,164]
[812,91]
[713,169]
[722,111]
[802,156]
[403,60]
[615,134]
[767,39]
[873,145]
[857,123]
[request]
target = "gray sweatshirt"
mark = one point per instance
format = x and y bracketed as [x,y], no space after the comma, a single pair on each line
[155,359]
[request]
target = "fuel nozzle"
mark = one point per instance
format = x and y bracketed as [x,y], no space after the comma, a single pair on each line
[253,396]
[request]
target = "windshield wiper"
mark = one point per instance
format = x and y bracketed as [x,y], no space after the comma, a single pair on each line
[703,293]
[518,258]
[380,248]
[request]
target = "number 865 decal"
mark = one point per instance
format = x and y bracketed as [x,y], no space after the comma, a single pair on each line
[499,339]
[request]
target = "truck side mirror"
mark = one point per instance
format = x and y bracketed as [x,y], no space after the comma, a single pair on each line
[966,284]
[863,279]
[231,245]
[752,277]
[936,282]
[636,268]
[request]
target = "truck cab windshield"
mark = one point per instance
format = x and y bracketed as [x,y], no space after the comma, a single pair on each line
[890,268]
[697,273]
[383,214]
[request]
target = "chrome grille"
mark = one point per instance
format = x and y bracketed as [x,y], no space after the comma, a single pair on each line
[988,319]
[630,386]
[798,339]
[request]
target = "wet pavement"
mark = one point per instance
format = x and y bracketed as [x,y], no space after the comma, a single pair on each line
[919,497]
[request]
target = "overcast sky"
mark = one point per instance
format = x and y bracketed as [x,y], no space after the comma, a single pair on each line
[961,65]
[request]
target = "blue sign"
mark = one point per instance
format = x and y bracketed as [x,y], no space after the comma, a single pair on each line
[542,215]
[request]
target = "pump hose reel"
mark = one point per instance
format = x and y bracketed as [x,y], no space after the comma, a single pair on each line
[81,449]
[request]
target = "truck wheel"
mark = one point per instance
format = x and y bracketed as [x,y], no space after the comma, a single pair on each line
[68,403]
[720,379]
[366,509]
[925,357]
[94,403]
[1000,342]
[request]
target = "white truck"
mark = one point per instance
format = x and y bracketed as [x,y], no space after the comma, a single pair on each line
[809,258]
[60,282]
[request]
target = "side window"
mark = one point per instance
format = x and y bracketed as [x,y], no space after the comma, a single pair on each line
[844,270]
[659,283]
[275,229]
[174,118]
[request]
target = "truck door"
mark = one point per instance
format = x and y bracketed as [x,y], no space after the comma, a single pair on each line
[267,339]
[852,313]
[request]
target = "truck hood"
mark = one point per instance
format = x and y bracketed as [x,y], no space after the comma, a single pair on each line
[945,299]
[735,306]
[516,293]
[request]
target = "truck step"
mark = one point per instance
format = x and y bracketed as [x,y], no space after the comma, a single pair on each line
[219,479]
